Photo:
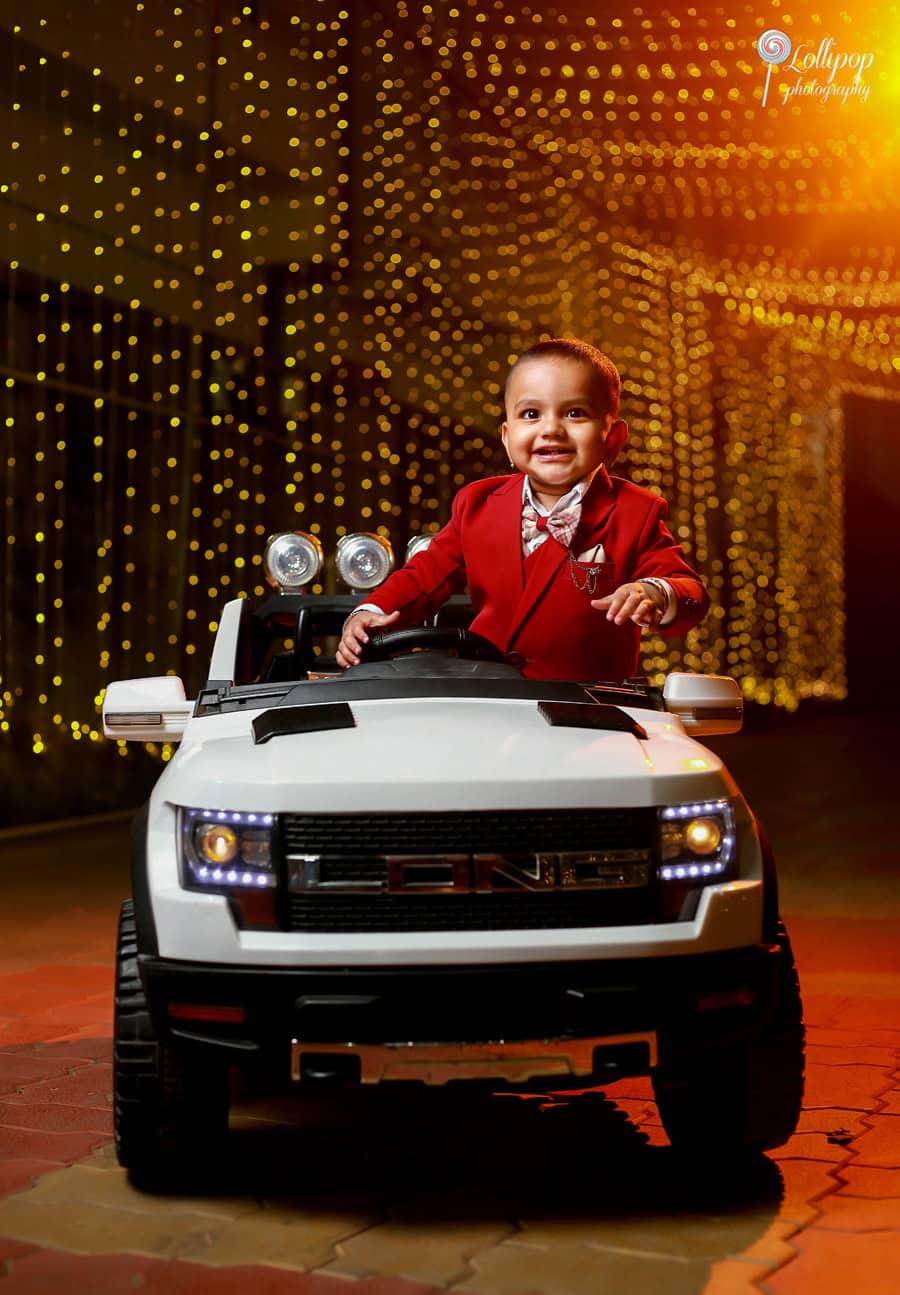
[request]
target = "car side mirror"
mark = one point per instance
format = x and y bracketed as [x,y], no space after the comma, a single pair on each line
[706,704]
[146,710]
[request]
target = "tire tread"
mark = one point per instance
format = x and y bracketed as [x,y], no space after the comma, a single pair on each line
[167,1108]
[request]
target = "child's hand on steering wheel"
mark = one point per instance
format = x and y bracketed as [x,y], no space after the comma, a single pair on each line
[354,635]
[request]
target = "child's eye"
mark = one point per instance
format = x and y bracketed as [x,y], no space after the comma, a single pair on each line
[530,413]
[577,412]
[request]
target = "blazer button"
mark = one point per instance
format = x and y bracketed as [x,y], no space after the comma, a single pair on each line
[515,659]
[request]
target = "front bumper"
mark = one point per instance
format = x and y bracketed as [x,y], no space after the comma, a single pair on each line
[667,1006]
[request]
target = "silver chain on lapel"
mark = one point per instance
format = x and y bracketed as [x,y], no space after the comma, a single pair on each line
[584,575]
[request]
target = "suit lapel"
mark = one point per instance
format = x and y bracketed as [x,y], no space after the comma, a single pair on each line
[539,573]
[547,561]
[506,535]
[599,502]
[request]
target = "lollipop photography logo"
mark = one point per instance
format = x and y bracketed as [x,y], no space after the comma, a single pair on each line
[823,72]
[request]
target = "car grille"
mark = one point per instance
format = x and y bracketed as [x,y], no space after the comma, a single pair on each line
[479,832]
[347,843]
[523,911]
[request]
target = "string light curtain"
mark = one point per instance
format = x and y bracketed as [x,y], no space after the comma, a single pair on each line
[269,264]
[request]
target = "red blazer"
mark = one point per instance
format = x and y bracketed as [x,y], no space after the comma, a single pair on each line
[532,606]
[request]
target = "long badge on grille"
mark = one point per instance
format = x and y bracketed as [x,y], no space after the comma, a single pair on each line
[466,873]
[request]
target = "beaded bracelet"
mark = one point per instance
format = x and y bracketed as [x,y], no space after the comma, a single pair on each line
[657,584]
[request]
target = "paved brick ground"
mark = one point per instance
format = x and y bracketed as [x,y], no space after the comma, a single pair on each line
[513,1196]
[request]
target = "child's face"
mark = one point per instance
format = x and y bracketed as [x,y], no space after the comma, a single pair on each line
[558,428]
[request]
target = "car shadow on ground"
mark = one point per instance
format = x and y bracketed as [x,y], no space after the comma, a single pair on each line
[447,1157]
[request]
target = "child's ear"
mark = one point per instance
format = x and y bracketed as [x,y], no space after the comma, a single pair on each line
[504,436]
[615,440]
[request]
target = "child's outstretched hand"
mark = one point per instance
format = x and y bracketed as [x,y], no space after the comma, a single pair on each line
[354,635]
[643,604]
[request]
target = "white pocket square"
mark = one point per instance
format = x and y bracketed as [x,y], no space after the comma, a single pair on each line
[594,556]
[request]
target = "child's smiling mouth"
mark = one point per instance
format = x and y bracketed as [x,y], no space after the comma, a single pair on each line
[554,452]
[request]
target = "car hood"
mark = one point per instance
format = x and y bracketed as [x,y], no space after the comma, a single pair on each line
[441,754]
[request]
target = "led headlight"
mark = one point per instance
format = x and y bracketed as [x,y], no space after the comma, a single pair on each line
[293,559]
[418,544]
[225,849]
[215,843]
[703,836]
[364,561]
[696,841]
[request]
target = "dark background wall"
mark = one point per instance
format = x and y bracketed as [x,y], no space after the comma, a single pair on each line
[872,554]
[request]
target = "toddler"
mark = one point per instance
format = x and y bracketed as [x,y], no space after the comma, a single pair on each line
[565,564]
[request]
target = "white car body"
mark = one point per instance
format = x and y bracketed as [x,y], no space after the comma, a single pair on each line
[433,869]
[491,755]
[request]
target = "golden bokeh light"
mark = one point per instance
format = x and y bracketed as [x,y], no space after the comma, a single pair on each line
[268,271]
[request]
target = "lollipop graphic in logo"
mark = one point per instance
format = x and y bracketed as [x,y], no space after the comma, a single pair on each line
[773,46]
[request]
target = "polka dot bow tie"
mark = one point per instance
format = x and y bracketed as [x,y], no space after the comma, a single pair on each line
[561,524]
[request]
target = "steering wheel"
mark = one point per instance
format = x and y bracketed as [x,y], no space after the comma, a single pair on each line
[469,646]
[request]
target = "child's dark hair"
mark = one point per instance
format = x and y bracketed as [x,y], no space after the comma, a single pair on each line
[570,348]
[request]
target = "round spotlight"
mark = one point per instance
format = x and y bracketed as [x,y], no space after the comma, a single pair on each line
[418,544]
[364,561]
[293,559]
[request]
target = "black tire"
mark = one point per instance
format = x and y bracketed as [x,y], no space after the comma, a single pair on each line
[170,1108]
[740,1097]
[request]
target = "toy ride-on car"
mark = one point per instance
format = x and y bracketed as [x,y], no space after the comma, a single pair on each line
[430,868]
